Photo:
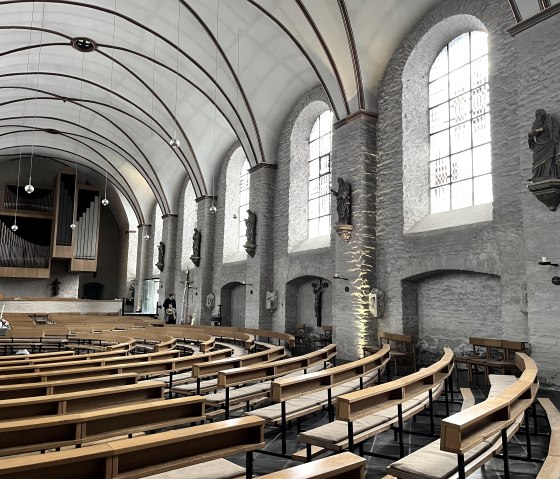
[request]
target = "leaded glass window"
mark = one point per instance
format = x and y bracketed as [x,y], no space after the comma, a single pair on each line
[319,198]
[459,115]
[244,184]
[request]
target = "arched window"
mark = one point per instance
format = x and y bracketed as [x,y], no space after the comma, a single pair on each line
[459,117]
[244,184]
[320,139]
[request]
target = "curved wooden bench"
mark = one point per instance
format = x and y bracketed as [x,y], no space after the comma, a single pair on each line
[473,436]
[551,466]
[258,373]
[363,414]
[28,435]
[299,395]
[146,455]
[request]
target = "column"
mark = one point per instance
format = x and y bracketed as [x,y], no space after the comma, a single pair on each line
[354,158]
[260,267]
[141,264]
[169,238]
[206,223]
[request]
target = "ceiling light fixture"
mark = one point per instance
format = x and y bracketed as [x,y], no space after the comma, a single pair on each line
[174,142]
[29,188]
[14,227]
[213,208]
[83,44]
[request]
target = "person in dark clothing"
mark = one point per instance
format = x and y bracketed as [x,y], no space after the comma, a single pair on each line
[170,310]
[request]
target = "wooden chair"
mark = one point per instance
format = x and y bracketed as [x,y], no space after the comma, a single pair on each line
[323,339]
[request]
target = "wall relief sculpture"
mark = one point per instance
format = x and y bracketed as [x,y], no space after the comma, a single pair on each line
[544,142]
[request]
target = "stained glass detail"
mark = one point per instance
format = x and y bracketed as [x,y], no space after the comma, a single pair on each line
[319,217]
[459,119]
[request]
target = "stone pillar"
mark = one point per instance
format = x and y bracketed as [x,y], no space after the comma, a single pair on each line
[206,223]
[354,158]
[141,264]
[169,238]
[260,267]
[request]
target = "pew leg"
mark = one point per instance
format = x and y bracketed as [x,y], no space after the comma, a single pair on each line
[528,434]
[432,423]
[308,452]
[361,449]
[446,387]
[461,464]
[227,403]
[283,406]
[350,436]
[249,465]
[505,453]
[401,439]
[170,385]
[329,405]
[198,386]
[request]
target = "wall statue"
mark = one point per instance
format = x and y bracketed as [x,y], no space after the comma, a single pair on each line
[544,141]
[271,300]
[56,287]
[161,256]
[318,288]
[250,225]
[210,300]
[197,237]
[376,302]
[343,201]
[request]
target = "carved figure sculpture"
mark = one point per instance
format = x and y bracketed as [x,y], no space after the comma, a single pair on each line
[197,236]
[343,201]
[271,300]
[161,256]
[210,299]
[250,225]
[544,140]
[318,287]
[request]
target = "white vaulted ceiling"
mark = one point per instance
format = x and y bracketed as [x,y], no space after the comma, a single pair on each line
[115,109]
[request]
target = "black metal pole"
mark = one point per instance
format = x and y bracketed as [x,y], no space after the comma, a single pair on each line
[249,465]
[505,453]
[432,424]
[401,440]
[283,406]
[329,405]
[227,403]
[461,464]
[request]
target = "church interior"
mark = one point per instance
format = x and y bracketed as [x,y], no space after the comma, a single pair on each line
[279,239]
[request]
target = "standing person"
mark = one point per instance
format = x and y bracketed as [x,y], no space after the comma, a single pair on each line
[170,309]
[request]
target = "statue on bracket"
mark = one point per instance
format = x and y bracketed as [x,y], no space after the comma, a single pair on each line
[271,300]
[343,208]
[250,225]
[195,257]
[161,256]
[544,141]
[376,299]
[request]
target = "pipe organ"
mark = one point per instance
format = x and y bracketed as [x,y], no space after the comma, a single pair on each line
[44,220]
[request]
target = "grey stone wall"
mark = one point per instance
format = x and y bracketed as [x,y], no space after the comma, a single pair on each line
[492,247]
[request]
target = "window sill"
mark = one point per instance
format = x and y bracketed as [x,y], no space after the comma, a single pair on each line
[312,243]
[451,219]
[236,257]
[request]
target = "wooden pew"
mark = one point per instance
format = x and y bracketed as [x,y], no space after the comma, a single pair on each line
[473,436]
[403,348]
[37,434]
[551,466]
[300,395]
[16,358]
[57,404]
[45,388]
[365,413]
[340,466]
[147,455]
[231,378]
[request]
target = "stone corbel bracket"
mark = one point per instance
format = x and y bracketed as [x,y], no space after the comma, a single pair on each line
[546,191]
[344,231]
[250,248]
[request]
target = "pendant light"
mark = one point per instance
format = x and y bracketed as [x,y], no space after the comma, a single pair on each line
[15,227]
[174,142]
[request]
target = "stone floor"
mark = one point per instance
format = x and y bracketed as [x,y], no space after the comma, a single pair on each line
[385,444]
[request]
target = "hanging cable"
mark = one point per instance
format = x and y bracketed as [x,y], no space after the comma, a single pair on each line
[174,142]
[213,208]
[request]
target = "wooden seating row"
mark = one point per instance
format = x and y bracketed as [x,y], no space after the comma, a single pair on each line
[38,434]
[474,435]
[403,348]
[261,374]
[148,455]
[491,354]
[362,414]
[299,395]
[551,466]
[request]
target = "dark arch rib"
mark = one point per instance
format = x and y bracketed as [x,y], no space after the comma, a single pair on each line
[158,192]
[133,203]
[165,40]
[354,52]
[313,25]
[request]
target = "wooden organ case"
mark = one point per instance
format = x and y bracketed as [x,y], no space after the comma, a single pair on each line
[44,220]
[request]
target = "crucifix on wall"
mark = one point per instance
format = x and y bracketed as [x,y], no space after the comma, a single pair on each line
[318,288]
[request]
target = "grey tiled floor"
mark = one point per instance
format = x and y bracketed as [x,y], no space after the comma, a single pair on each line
[385,444]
